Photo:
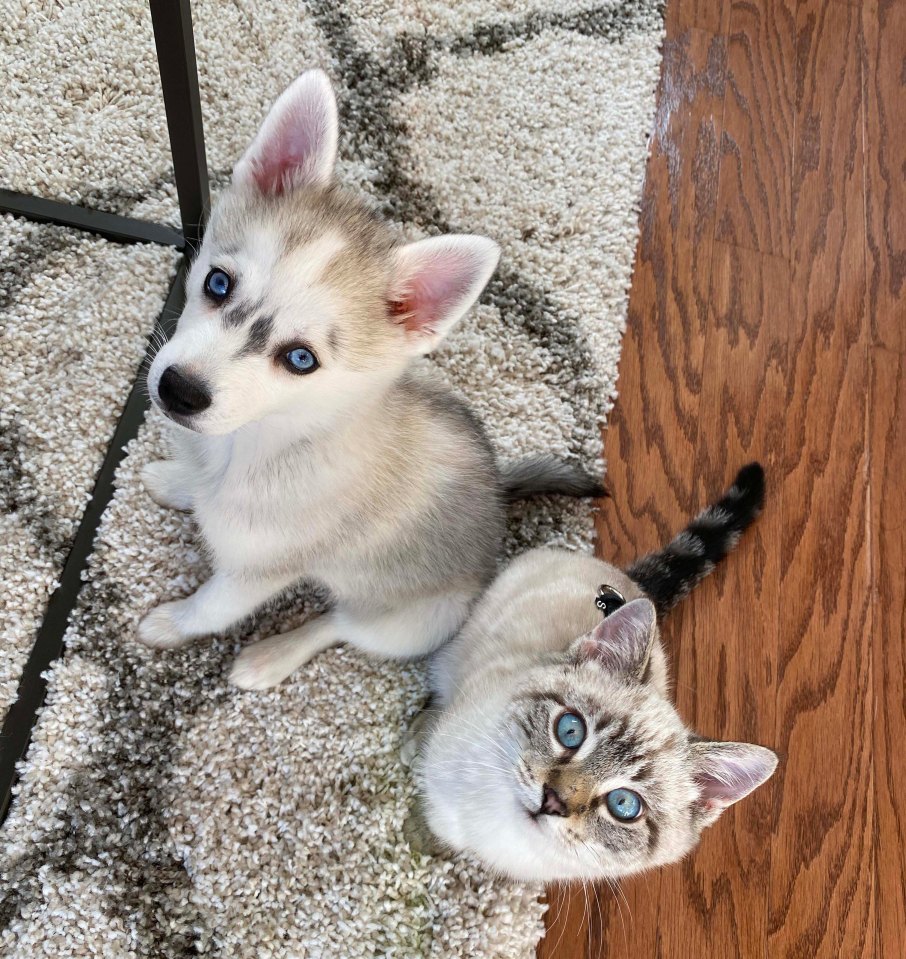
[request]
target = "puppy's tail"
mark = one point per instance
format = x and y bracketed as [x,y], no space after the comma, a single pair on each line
[667,576]
[546,474]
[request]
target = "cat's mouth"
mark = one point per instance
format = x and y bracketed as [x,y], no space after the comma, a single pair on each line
[531,807]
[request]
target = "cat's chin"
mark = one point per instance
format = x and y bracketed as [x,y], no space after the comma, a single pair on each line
[547,829]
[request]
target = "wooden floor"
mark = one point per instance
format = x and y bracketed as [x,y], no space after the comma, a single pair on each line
[767,321]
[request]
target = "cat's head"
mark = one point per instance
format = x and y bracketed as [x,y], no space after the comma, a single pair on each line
[584,769]
[301,302]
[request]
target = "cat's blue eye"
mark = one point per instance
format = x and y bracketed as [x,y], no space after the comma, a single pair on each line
[217,284]
[624,804]
[570,730]
[300,359]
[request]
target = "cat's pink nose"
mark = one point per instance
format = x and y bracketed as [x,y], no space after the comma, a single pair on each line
[552,804]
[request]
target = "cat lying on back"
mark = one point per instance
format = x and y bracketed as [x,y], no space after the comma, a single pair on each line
[551,751]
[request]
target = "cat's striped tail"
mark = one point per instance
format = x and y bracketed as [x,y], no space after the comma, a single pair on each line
[667,576]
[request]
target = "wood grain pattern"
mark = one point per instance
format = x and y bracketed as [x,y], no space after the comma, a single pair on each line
[724,661]
[708,15]
[884,30]
[759,114]
[884,72]
[822,891]
[766,321]
[888,546]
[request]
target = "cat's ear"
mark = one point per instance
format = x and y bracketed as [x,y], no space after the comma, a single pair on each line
[726,772]
[433,283]
[297,143]
[621,642]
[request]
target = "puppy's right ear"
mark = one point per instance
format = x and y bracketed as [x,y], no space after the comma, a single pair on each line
[434,282]
[297,143]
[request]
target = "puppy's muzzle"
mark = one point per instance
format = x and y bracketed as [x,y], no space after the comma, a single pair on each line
[182,395]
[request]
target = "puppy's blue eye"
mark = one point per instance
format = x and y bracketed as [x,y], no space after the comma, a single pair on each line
[571,730]
[301,360]
[217,284]
[624,804]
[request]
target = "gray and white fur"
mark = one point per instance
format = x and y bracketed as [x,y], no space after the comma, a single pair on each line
[304,442]
[497,782]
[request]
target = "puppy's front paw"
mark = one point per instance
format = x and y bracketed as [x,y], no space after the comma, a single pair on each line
[160,630]
[161,481]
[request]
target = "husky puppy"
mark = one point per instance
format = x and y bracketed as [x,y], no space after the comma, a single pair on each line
[305,445]
[552,750]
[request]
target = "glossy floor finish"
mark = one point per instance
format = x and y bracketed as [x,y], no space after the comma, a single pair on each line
[767,321]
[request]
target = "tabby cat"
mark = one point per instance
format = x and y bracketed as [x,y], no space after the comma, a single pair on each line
[551,750]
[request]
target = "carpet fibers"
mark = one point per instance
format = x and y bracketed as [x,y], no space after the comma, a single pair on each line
[160,812]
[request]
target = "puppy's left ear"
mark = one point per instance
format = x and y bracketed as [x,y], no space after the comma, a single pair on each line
[297,143]
[434,282]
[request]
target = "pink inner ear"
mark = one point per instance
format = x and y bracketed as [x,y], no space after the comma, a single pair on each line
[290,152]
[621,641]
[434,286]
[727,775]
[297,143]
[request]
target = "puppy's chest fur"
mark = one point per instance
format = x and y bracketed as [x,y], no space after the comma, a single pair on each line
[259,510]
[351,508]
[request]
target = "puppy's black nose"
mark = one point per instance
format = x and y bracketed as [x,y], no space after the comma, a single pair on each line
[552,804]
[181,394]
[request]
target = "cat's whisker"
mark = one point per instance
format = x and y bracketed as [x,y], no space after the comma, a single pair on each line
[563,895]
[597,895]
[481,732]
[590,936]
[498,749]
[465,764]
[614,888]
[618,894]
[586,915]
[622,895]
[508,765]
[618,890]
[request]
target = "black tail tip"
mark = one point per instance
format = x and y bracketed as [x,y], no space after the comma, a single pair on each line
[749,484]
[598,490]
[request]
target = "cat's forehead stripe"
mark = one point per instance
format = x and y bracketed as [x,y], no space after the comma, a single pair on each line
[602,722]
[618,731]
[541,696]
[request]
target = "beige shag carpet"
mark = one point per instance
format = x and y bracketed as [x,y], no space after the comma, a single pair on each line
[161,813]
